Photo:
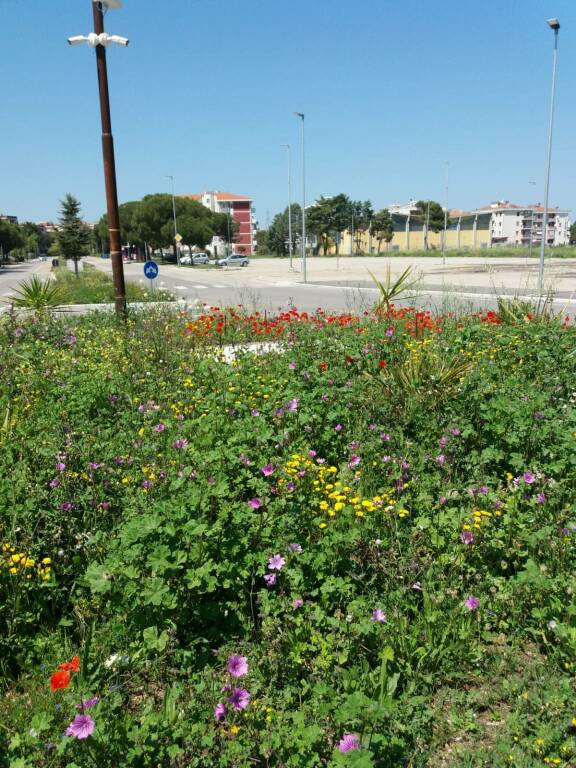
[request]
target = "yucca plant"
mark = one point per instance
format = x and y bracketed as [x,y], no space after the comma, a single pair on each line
[391,290]
[37,294]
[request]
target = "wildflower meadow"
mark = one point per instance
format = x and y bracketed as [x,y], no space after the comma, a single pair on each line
[291,541]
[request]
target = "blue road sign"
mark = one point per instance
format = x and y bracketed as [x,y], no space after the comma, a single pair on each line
[151,270]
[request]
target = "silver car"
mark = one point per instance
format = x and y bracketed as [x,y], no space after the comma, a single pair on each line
[235,259]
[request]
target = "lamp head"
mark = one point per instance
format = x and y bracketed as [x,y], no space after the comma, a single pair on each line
[110,4]
[299,114]
[554,24]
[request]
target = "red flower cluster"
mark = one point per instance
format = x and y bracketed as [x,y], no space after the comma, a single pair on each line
[61,678]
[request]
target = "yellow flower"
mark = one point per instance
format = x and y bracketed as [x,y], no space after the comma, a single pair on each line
[235,729]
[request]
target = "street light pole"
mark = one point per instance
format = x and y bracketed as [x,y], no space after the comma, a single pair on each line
[109,167]
[176,243]
[287,146]
[301,116]
[445,217]
[554,24]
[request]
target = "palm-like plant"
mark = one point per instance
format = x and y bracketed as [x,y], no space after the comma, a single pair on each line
[391,290]
[37,294]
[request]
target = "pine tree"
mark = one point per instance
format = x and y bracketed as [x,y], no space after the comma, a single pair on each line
[74,235]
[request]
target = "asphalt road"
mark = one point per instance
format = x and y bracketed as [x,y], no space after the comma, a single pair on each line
[13,274]
[267,284]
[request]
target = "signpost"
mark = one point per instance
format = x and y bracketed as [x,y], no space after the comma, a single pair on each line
[151,272]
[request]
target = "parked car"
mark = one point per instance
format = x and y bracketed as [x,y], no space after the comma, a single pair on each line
[195,258]
[235,259]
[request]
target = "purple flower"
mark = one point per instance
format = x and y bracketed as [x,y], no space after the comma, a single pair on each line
[147,484]
[378,616]
[294,547]
[267,470]
[95,465]
[239,698]
[292,405]
[292,366]
[297,602]
[255,503]
[66,506]
[338,428]
[483,490]
[528,478]
[276,562]
[441,460]
[118,460]
[324,398]
[237,665]
[105,505]
[384,436]
[353,445]
[270,579]
[290,486]
[540,498]
[386,459]
[442,500]
[279,412]
[254,412]
[443,442]
[88,703]
[389,332]
[455,431]
[497,504]
[349,742]
[55,482]
[60,466]
[181,443]
[472,603]
[159,427]
[243,459]
[354,461]
[466,537]
[81,727]
[219,711]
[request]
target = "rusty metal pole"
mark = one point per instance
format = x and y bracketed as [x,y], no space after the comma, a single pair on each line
[109,169]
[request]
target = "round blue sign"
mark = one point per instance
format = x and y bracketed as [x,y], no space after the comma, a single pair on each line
[151,270]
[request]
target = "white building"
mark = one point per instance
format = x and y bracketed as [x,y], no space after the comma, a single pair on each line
[522,224]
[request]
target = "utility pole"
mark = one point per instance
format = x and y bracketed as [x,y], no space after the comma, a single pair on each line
[554,25]
[109,167]
[301,116]
[176,243]
[287,146]
[445,218]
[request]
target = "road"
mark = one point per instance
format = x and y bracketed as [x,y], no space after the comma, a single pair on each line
[13,274]
[267,284]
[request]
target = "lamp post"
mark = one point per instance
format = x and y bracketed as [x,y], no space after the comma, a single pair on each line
[445,216]
[99,40]
[301,116]
[176,243]
[287,147]
[533,183]
[554,25]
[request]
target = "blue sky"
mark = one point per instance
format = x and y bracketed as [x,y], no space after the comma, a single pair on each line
[206,92]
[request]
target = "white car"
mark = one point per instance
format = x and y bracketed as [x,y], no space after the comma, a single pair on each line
[196,258]
[235,259]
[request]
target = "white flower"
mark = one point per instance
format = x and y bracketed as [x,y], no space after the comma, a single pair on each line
[111,660]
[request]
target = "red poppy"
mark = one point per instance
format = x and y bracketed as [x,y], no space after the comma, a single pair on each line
[71,666]
[382,363]
[60,679]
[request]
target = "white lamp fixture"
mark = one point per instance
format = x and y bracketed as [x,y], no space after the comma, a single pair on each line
[112,4]
[93,40]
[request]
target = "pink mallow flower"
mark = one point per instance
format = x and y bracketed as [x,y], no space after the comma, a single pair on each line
[237,665]
[348,742]
[255,503]
[378,616]
[81,727]
[219,711]
[276,563]
[267,470]
[239,698]
[472,603]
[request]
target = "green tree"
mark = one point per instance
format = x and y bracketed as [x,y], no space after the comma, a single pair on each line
[278,232]
[74,235]
[382,227]
[262,242]
[11,238]
[328,218]
[430,212]
[362,212]
[573,234]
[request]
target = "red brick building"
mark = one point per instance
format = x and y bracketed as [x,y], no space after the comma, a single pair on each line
[240,209]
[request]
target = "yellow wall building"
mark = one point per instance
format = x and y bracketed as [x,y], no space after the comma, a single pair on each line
[466,230]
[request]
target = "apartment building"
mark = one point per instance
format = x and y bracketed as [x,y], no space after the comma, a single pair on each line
[522,224]
[240,210]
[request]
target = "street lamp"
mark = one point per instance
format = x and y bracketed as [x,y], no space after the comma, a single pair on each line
[99,40]
[554,25]
[287,146]
[446,163]
[301,116]
[176,243]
